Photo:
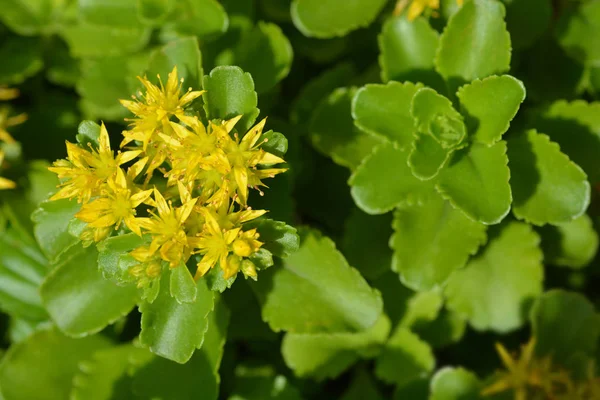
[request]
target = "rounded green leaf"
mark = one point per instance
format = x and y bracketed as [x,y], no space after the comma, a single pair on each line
[333,133]
[78,298]
[384,181]
[327,355]
[42,366]
[476,181]
[266,53]
[329,18]
[407,50]
[183,53]
[31,17]
[575,126]
[114,260]
[51,228]
[571,244]
[175,330]
[509,268]
[404,359]
[477,29]
[385,110]
[22,59]
[489,105]
[229,93]
[154,11]
[547,186]
[206,19]
[431,240]
[94,40]
[315,290]
[182,285]
[455,384]
[427,157]
[565,326]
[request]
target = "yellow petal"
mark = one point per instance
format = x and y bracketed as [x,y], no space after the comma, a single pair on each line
[140,197]
[229,124]
[188,97]
[185,210]
[231,235]
[104,140]
[254,134]
[269,159]
[161,203]
[241,178]
[133,224]
[507,360]
[172,81]
[7,183]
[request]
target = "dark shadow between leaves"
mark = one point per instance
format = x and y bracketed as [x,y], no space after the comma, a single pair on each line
[524,176]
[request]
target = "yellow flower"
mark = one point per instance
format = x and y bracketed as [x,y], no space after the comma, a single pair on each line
[154,109]
[8,93]
[5,183]
[116,205]
[222,240]
[150,266]
[169,237]
[417,7]
[85,172]
[244,157]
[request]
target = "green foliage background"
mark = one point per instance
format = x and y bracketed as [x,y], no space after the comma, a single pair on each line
[443,179]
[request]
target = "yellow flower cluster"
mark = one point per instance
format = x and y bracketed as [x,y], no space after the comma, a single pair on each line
[6,121]
[200,208]
[417,7]
[532,378]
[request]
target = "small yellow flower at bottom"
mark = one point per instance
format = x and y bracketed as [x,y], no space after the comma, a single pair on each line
[417,7]
[5,183]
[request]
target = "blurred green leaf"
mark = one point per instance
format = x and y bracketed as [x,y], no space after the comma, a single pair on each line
[455,384]
[489,105]
[183,53]
[173,330]
[203,18]
[405,358]
[377,193]
[154,11]
[565,326]
[42,359]
[333,133]
[571,244]
[547,186]
[508,268]
[477,28]
[316,291]
[95,40]
[262,384]
[22,59]
[79,299]
[578,31]
[230,92]
[385,110]
[407,51]
[327,355]
[31,17]
[431,241]
[527,21]
[323,19]
[476,181]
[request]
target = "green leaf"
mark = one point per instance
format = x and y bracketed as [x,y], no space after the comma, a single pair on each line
[405,358]
[315,90]
[93,40]
[385,110]
[61,68]
[446,329]
[203,18]
[527,21]
[326,355]
[455,384]
[182,285]
[230,92]
[431,241]
[114,259]
[421,309]
[199,377]
[262,383]
[183,53]
[42,358]
[407,50]
[476,181]
[121,13]
[324,292]
[266,54]
[477,28]
[323,19]
[333,133]
[365,243]
[279,238]
[51,221]
[22,269]
[575,126]
[578,32]
[509,268]
[79,299]
[31,17]
[427,157]
[571,244]
[489,105]
[154,12]
[547,186]
[274,143]
[88,133]
[565,325]
[105,375]
[434,115]
[376,192]
[173,330]
[22,59]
